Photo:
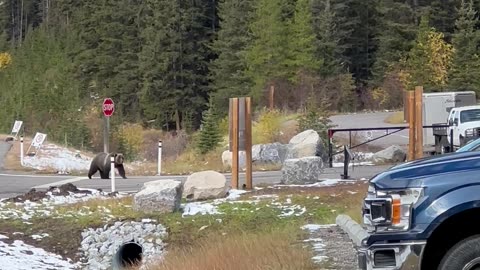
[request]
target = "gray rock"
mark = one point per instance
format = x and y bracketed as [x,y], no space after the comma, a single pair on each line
[162,196]
[267,154]
[205,185]
[392,154]
[302,170]
[305,144]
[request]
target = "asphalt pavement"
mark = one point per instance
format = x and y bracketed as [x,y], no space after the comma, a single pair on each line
[368,120]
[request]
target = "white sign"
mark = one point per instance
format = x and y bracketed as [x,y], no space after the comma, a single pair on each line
[17,126]
[39,139]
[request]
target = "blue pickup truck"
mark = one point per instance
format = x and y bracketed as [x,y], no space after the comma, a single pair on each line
[424,214]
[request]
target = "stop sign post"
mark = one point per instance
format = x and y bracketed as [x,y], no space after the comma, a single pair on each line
[108,108]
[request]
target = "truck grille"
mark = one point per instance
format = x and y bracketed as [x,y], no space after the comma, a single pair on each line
[384,258]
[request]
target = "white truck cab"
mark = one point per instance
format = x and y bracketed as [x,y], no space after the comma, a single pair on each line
[465,123]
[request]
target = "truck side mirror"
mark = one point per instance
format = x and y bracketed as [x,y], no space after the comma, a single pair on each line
[450,122]
[455,122]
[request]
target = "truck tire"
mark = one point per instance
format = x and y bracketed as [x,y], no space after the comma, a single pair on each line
[461,140]
[465,255]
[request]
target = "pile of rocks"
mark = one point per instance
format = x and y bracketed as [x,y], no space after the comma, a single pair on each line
[99,246]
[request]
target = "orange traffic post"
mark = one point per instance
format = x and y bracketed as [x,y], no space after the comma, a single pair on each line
[248,142]
[411,124]
[418,122]
[235,143]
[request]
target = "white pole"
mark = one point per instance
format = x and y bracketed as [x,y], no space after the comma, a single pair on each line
[21,150]
[159,157]
[112,171]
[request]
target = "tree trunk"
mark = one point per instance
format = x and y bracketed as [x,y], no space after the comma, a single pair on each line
[177,120]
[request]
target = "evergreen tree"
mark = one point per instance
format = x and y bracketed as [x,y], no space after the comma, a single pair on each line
[465,72]
[328,38]
[228,71]
[396,36]
[316,117]
[267,53]
[301,51]
[209,136]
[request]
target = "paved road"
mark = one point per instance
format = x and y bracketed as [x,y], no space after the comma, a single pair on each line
[365,120]
[12,185]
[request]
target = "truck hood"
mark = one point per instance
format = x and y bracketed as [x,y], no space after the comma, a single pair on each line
[473,124]
[411,174]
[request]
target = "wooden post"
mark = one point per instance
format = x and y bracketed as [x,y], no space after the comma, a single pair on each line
[418,122]
[406,112]
[248,142]
[271,100]
[235,143]
[411,124]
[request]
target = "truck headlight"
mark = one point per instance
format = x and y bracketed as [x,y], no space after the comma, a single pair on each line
[390,210]
[469,132]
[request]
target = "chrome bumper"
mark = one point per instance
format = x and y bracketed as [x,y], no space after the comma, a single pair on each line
[407,255]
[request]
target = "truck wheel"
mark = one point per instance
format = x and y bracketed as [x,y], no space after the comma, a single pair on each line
[461,140]
[465,255]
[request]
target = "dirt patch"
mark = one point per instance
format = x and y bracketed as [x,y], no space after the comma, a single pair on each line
[34,195]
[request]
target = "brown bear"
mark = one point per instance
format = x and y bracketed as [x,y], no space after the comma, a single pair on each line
[101,163]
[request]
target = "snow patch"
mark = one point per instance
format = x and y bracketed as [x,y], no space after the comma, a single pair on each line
[234,194]
[20,256]
[51,156]
[315,227]
[194,208]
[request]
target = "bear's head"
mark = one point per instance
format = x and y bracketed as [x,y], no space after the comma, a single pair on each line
[119,158]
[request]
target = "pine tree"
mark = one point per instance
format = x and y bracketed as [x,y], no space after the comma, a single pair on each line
[328,49]
[267,53]
[395,38]
[228,71]
[465,72]
[209,136]
[301,53]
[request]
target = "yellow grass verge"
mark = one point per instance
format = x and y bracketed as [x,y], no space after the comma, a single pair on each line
[276,250]
[395,118]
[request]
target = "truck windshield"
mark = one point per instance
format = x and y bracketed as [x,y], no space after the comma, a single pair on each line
[470,115]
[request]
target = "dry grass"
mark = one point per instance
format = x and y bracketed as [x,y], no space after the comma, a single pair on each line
[395,118]
[275,250]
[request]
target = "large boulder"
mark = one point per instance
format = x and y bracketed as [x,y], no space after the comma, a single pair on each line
[205,185]
[305,144]
[302,170]
[161,196]
[393,154]
[266,154]
[227,161]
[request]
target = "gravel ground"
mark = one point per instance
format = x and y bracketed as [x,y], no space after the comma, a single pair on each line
[334,248]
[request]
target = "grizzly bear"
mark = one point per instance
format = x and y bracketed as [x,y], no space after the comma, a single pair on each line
[101,163]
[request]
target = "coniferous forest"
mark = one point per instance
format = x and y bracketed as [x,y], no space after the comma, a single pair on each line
[164,61]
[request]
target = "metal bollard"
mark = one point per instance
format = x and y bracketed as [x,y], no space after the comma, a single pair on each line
[159,157]
[21,150]
[112,171]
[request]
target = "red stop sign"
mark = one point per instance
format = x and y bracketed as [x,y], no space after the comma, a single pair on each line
[108,107]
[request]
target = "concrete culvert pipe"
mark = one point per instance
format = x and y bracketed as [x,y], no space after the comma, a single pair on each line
[128,255]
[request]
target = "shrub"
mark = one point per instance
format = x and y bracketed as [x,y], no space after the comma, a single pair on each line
[267,128]
[130,140]
[316,117]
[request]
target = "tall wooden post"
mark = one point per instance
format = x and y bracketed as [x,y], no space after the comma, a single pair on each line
[271,94]
[418,122]
[248,142]
[411,124]
[235,143]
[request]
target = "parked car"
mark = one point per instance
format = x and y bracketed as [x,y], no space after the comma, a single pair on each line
[471,146]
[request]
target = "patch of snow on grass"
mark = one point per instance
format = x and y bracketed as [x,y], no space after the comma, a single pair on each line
[20,256]
[234,194]
[316,227]
[194,208]
[57,158]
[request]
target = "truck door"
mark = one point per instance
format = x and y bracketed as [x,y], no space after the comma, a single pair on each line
[456,129]
[450,123]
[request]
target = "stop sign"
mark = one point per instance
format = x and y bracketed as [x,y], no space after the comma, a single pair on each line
[108,107]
